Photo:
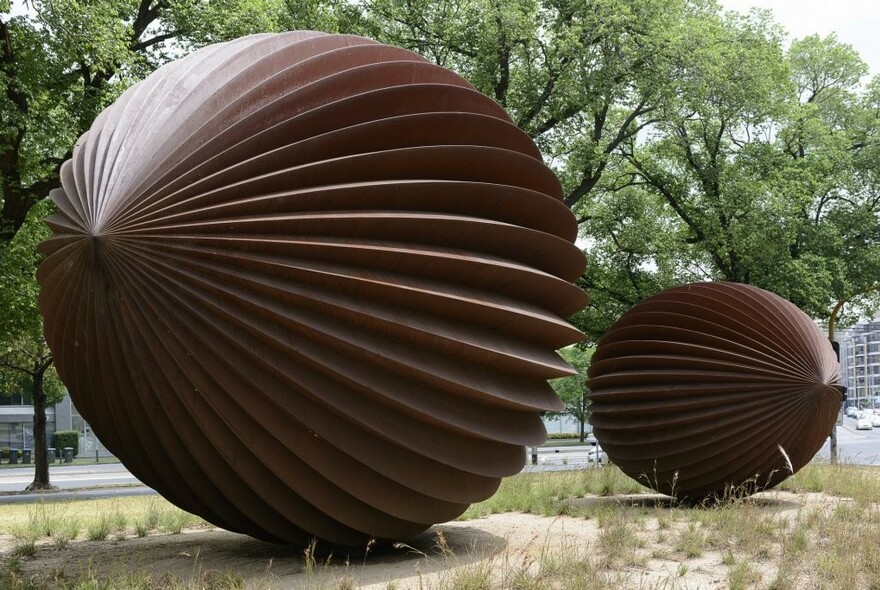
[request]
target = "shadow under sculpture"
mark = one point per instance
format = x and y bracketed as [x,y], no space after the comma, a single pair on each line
[308,285]
[713,389]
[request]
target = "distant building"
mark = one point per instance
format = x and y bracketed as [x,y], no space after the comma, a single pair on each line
[17,424]
[564,424]
[860,363]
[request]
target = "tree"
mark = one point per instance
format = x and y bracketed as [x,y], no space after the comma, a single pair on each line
[750,175]
[63,61]
[581,77]
[573,390]
[25,360]
[691,146]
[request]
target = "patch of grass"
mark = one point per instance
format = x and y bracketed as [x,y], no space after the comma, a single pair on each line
[98,528]
[570,567]
[619,541]
[860,483]
[148,521]
[65,533]
[476,576]
[665,518]
[796,541]
[43,518]
[118,520]
[741,576]
[611,481]
[739,525]
[25,549]
[81,460]
[691,541]
[175,520]
[550,494]
[208,580]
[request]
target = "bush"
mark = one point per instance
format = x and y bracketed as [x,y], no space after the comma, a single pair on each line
[6,451]
[66,438]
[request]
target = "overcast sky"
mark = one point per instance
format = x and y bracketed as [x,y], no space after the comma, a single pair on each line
[856,22]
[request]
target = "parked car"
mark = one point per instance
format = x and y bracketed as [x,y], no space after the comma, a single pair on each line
[597,456]
[864,424]
[851,412]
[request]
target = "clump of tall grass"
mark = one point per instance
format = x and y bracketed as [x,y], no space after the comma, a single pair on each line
[550,494]
[741,575]
[149,520]
[618,540]
[691,541]
[175,520]
[571,567]
[98,528]
[860,483]
[66,532]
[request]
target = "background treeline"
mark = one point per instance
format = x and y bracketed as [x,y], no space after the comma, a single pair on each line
[692,143]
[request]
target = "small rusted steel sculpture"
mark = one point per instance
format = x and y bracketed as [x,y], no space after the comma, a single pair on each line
[713,389]
[309,285]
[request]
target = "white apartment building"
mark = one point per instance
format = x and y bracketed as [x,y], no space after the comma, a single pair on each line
[860,363]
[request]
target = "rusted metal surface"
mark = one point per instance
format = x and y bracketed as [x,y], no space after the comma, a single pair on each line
[698,390]
[310,285]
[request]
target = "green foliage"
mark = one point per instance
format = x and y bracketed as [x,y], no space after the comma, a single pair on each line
[551,493]
[63,61]
[752,174]
[24,355]
[690,145]
[66,438]
[573,390]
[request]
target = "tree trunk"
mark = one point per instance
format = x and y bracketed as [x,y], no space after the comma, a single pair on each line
[583,412]
[41,464]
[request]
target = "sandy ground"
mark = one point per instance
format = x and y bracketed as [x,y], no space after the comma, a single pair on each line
[504,541]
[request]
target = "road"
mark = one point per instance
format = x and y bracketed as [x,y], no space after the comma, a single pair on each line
[861,447]
[74,481]
[113,479]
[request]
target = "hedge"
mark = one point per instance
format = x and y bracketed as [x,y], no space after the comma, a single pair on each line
[4,453]
[66,438]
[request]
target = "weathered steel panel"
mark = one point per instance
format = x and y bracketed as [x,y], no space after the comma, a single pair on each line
[310,285]
[710,389]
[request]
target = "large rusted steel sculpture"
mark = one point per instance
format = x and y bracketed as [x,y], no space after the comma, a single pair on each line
[713,389]
[309,285]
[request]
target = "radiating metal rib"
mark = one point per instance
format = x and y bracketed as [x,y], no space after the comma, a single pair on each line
[308,285]
[695,390]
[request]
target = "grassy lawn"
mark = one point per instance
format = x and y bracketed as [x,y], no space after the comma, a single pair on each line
[825,538]
[94,520]
[565,442]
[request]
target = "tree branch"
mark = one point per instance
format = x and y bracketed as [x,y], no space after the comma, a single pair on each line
[670,198]
[155,40]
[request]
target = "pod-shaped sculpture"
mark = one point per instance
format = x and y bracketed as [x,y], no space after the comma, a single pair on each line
[309,285]
[713,389]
